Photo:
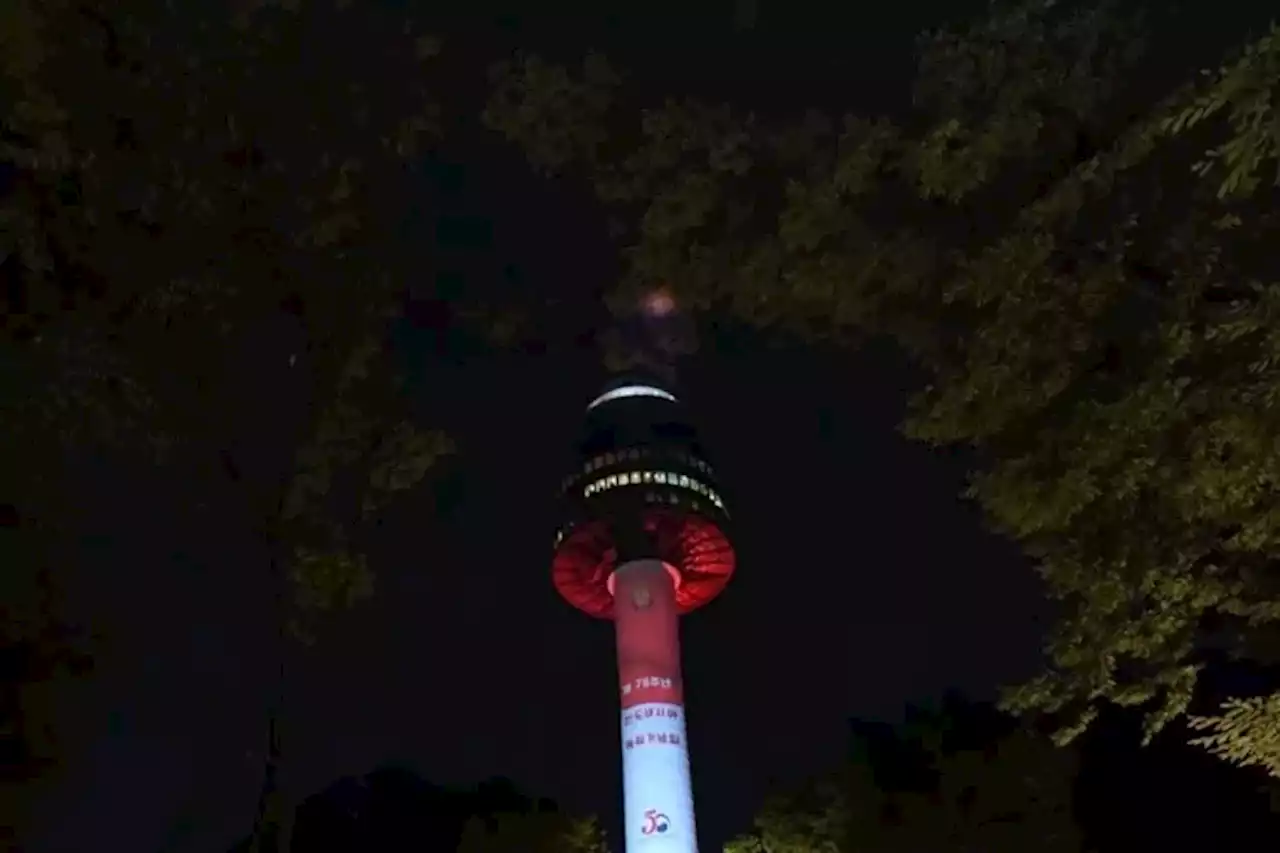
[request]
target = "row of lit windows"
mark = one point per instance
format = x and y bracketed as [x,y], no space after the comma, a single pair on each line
[653,498]
[673,499]
[635,454]
[670,478]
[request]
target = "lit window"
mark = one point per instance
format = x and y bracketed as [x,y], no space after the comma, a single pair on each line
[635,477]
[660,476]
[684,481]
[648,476]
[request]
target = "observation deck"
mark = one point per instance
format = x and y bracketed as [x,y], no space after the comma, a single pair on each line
[643,489]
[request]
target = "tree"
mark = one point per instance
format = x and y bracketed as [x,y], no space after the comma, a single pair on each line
[1086,289]
[190,236]
[955,779]
[39,652]
[536,832]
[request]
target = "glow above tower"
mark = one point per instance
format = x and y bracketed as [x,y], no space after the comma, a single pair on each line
[642,543]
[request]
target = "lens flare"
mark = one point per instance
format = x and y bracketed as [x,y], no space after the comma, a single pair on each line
[658,303]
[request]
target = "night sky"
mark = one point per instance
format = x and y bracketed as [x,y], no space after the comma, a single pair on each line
[863,582]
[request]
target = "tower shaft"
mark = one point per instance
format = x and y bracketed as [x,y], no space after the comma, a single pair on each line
[657,794]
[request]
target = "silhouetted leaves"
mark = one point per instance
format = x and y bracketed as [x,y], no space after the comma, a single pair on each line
[200,220]
[936,784]
[535,832]
[1245,88]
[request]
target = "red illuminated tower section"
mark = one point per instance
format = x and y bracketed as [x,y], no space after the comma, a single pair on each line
[643,541]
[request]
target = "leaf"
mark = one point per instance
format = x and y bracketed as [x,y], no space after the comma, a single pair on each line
[402,460]
[327,580]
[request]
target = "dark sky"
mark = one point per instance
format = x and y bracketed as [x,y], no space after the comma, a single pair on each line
[864,582]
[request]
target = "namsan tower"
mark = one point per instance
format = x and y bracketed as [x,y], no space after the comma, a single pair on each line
[642,542]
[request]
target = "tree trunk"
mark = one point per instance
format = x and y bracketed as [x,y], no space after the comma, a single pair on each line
[269,834]
[273,823]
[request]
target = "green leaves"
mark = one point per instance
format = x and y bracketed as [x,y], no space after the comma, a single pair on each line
[533,832]
[552,114]
[401,461]
[357,458]
[933,786]
[1245,89]
[1246,732]
[323,582]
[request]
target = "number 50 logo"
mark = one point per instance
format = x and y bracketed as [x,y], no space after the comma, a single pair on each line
[655,823]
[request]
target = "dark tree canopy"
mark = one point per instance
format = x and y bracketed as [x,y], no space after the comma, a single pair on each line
[957,778]
[200,252]
[393,808]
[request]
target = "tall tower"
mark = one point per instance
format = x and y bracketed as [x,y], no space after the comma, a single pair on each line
[642,542]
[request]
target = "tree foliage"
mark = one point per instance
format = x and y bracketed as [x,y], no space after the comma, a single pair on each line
[930,786]
[1091,295]
[1246,733]
[1245,89]
[535,832]
[198,211]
